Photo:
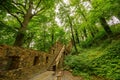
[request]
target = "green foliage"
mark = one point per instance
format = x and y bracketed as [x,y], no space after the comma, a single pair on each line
[115,28]
[108,65]
[87,43]
[103,62]
[83,74]
[94,41]
[51,24]
[44,29]
[6,34]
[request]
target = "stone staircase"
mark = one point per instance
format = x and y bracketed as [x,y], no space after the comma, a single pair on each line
[28,63]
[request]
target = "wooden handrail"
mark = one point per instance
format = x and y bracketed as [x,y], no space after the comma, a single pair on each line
[59,55]
[56,57]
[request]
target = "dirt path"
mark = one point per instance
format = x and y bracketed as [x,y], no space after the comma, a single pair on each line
[68,76]
[50,75]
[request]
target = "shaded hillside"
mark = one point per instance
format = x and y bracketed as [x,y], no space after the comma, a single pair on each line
[102,61]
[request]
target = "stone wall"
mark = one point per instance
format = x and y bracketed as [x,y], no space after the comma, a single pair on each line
[22,64]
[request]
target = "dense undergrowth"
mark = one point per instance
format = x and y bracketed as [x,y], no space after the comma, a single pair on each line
[108,65]
[102,60]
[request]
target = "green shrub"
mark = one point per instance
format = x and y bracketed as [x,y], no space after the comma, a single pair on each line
[87,43]
[107,65]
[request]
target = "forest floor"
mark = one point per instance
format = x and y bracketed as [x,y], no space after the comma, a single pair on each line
[50,75]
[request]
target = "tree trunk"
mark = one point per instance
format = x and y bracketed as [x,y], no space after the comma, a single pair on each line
[52,36]
[21,33]
[77,36]
[105,25]
[19,39]
[92,30]
[85,32]
[73,37]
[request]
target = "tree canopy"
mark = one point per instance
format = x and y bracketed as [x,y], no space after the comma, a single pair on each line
[38,24]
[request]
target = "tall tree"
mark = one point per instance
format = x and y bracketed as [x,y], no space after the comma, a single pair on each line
[72,33]
[101,9]
[105,25]
[24,11]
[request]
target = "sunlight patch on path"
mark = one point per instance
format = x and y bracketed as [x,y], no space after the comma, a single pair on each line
[49,75]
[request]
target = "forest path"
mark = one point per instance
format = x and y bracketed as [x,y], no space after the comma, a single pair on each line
[50,75]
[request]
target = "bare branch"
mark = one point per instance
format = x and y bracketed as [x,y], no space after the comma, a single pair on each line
[38,4]
[38,11]
[13,15]
[20,5]
[19,10]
